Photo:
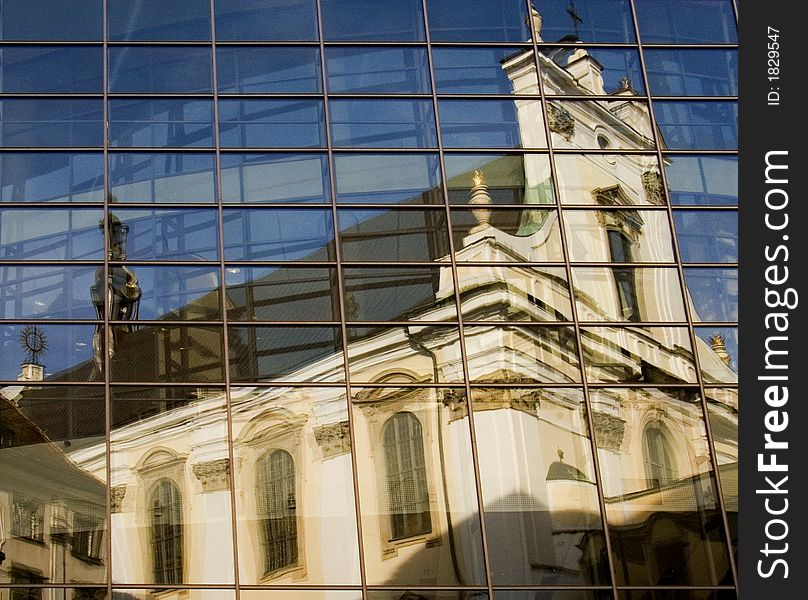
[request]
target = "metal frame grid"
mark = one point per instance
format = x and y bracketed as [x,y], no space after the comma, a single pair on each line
[338,264]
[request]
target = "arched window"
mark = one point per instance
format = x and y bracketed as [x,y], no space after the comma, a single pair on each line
[406,476]
[620,250]
[660,464]
[166,531]
[277,510]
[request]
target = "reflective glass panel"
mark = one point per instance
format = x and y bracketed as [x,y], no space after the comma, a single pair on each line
[686,22]
[46,69]
[500,293]
[707,235]
[702,179]
[165,234]
[692,72]
[600,594]
[584,71]
[625,235]
[429,594]
[638,354]
[271,123]
[417,485]
[166,353]
[374,70]
[478,21]
[51,122]
[98,593]
[268,70]
[171,178]
[422,353]
[295,502]
[302,354]
[275,178]
[193,594]
[51,177]
[278,234]
[491,124]
[164,122]
[658,486]
[49,487]
[405,235]
[383,123]
[301,594]
[538,485]
[71,418]
[159,69]
[612,179]
[51,234]
[503,178]
[600,125]
[281,293]
[399,294]
[51,20]
[46,292]
[176,293]
[506,235]
[170,496]
[722,411]
[388,178]
[373,20]
[522,354]
[602,21]
[481,70]
[723,594]
[265,20]
[698,125]
[628,294]
[51,352]
[148,20]
[718,354]
[714,294]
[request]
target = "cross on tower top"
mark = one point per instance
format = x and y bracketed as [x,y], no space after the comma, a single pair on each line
[576,19]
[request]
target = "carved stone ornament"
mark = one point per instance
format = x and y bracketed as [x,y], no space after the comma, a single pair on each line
[654,189]
[525,400]
[116,496]
[333,439]
[213,475]
[560,121]
[609,430]
[455,401]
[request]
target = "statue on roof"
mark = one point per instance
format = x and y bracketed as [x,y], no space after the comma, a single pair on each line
[121,288]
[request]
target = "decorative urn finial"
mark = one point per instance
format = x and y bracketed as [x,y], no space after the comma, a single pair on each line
[479,196]
[719,346]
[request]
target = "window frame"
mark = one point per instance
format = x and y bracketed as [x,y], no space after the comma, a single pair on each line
[87,542]
[264,481]
[662,468]
[400,532]
[178,551]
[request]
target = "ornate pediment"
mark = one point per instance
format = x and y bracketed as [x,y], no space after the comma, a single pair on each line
[612,195]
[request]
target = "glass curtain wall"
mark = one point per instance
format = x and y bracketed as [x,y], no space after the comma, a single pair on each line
[368,299]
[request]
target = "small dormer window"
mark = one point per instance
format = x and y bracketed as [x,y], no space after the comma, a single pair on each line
[603,142]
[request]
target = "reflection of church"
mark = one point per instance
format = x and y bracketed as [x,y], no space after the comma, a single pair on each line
[291,462]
